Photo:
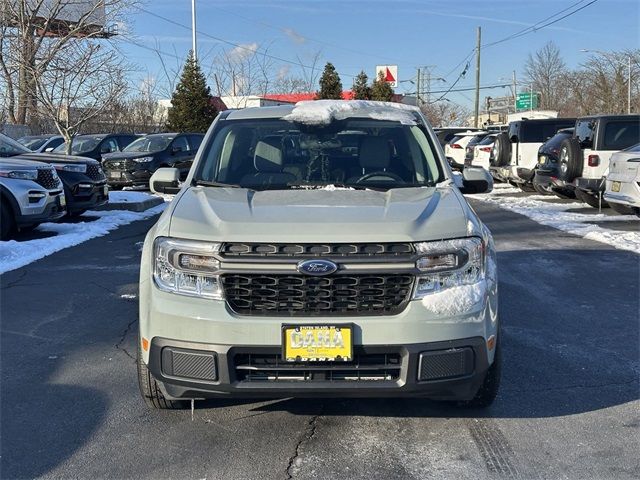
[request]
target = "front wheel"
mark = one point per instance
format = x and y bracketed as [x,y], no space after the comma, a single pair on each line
[488,391]
[150,390]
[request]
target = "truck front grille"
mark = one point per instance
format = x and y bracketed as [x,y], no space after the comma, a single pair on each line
[315,249]
[120,165]
[94,172]
[48,179]
[302,295]
[365,367]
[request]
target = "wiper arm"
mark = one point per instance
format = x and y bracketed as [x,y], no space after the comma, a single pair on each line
[207,183]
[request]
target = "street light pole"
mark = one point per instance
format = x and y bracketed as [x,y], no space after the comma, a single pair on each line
[194,45]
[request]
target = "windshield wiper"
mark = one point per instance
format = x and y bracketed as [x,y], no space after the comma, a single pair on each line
[207,183]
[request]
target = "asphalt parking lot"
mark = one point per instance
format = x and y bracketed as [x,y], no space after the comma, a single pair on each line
[568,407]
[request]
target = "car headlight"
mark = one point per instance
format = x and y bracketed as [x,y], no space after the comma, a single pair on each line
[187,267]
[449,263]
[20,174]
[71,167]
[143,159]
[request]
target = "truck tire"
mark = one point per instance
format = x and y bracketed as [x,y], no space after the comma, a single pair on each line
[501,151]
[621,209]
[570,160]
[7,222]
[488,391]
[150,390]
[590,199]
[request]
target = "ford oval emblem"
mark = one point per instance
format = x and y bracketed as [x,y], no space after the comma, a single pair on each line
[317,267]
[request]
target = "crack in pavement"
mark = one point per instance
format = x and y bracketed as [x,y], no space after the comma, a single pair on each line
[15,282]
[124,335]
[310,432]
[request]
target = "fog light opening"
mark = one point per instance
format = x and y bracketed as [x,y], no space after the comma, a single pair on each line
[145,344]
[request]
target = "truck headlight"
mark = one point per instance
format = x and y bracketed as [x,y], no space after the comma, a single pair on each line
[187,267]
[20,174]
[71,167]
[449,263]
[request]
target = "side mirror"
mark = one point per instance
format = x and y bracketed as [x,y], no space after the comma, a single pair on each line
[176,149]
[105,149]
[165,180]
[476,180]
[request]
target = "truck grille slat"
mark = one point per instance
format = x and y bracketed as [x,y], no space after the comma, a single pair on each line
[314,250]
[302,295]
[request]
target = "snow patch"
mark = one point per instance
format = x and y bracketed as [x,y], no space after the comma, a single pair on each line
[129,296]
[323,112]
[14,254]
[557,215]
[129,196]
[456,300]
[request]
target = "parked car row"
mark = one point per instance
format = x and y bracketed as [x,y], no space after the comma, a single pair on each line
[42,187]
[128,160]
[567,157]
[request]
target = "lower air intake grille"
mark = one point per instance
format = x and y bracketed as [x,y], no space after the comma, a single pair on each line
[442,364]
[302,295]
[189,364]
[369,367]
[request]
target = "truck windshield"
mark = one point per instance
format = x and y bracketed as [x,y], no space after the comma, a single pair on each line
[152,143]
[357,153]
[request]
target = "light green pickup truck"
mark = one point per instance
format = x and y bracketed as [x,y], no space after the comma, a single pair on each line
[319,249]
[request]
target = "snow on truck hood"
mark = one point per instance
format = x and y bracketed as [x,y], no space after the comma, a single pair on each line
[323,112]
[241,215]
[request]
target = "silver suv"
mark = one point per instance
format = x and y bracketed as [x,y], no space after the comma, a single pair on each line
[30,193]
[321,249]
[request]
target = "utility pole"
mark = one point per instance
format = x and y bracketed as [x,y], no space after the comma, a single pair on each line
[477,109]
[515,93]
[418,87]
[629,87]
[194,44]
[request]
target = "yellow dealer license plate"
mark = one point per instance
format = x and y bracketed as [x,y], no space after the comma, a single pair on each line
[615,187]
[317,343]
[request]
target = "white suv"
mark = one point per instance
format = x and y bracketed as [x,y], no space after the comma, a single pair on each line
[321,249]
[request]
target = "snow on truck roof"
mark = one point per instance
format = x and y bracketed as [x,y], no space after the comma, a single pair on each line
[323,112]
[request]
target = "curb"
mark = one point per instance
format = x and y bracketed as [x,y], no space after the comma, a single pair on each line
[132,206]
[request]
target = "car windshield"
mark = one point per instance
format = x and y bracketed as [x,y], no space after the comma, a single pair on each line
[153,143]
[80,145]
[356,153]
[33,143]
[11,148]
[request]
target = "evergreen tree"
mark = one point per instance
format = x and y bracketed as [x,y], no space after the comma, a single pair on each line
[330,84]
[381,90]
[191,108]
[360,89]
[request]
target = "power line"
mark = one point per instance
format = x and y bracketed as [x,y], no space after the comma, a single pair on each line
[227,42]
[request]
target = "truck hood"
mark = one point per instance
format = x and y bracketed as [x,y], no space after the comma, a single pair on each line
[127,155]
[241,215]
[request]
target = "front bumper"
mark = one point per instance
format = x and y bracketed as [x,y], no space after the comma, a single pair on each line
[121,178]
[54,209]
[457,380]
[80,199]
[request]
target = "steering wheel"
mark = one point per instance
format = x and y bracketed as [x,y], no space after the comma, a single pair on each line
[390,175]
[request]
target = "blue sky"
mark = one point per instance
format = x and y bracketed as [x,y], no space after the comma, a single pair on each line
[359,34]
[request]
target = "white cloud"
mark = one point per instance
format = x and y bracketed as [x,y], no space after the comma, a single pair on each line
[243,52]
[294,36]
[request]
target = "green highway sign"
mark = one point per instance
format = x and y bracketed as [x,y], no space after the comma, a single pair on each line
[527,101]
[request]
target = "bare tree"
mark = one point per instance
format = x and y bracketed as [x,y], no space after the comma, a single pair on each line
[35,33]
[545,70]
[81,83]
[445,113]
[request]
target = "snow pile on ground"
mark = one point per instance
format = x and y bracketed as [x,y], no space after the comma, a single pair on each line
[129,196]
[14,254]
[557,215]
[323,112]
